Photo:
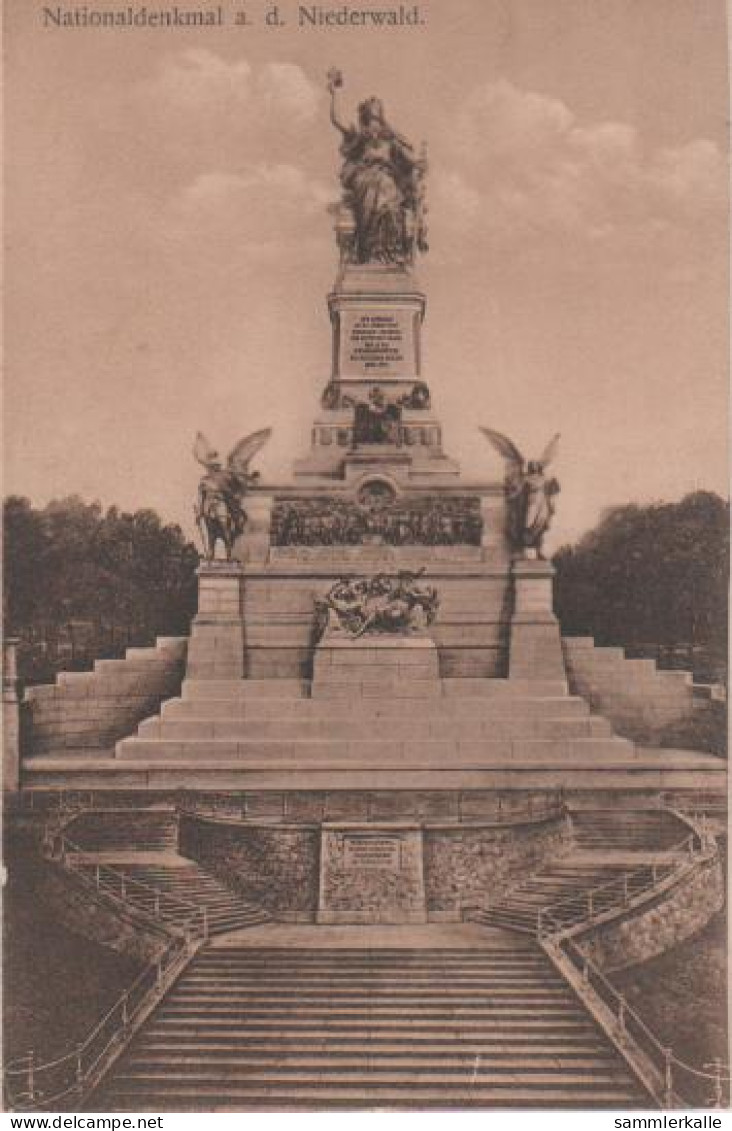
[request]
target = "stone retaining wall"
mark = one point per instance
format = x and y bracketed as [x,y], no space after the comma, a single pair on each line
[278,865]
[275,866]
[668,918]
[464,866]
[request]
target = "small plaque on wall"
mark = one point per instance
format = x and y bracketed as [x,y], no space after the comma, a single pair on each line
[371,874]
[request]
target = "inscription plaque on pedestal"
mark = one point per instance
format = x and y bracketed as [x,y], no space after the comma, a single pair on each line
[371,874]
[377,342]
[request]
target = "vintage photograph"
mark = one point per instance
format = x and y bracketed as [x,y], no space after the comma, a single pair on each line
[365,556]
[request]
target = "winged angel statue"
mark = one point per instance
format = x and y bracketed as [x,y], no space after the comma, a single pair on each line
[530,494]
[219,513]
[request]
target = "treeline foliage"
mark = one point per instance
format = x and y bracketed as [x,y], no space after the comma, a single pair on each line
[655,574]
[80,583]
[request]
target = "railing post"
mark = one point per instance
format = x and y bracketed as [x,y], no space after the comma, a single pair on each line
[590,906]
[205,923]
[159,975]
[654,874]
[157,905]
[668,1085]
[97,876]
[585,970]
[31,1075]
[621,1013]
[626,893]
[717,1098]
[79,1071]
[125,1010]
[123,887]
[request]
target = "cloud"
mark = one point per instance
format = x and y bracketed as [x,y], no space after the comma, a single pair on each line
[521,165]
[202,111]
[200,80]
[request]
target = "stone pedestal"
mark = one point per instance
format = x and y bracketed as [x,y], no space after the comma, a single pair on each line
[536,646]
[376,312]
[371,874]
[253,546]
[374,664]
[216,647]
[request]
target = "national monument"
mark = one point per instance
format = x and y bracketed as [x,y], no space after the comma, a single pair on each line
[379,726]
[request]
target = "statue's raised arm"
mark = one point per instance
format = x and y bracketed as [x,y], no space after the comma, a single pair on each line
[335,82]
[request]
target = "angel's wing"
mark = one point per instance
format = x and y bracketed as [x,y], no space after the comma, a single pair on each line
[550,451]
[244,452]
[203,451]
[504,447]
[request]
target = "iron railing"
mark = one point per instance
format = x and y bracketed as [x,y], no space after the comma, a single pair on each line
[670,1080]
[30,1085]
[617,894]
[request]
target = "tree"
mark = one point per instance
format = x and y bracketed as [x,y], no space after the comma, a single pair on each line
[127,577]
[656,574]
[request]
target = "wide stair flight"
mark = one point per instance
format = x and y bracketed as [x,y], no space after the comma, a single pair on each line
[257,1029]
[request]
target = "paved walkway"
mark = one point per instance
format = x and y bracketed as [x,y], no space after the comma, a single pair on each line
[423,936]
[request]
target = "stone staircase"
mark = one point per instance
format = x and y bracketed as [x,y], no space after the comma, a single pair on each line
[226,910]
[621,839]
[519,908]
[302,1029]
[619,830]
[336,732]
[380,732]
[120,830]
[83,714]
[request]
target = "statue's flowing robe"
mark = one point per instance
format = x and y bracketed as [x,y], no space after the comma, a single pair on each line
[375,173]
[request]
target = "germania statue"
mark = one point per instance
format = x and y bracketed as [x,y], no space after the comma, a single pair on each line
[383,185]
[219,512]
[529,493]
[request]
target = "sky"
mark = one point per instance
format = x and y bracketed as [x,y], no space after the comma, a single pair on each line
[169,247]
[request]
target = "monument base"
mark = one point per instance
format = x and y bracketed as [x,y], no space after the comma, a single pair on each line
[536,644]
[216,647]
[373,664]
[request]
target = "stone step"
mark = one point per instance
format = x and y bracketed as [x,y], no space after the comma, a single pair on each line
[517,727]
[374,1076]
[440,708]
[279,1099]
[363,1028]
[445,1014]
[330,984]
[242,1064]
[237,963]
[290,688]
[374,754]
[229,993]
[540,1045]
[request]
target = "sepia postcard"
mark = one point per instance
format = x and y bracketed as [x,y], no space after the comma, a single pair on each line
[365,558]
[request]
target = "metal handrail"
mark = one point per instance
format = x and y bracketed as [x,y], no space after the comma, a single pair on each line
[43,1085]
[577,909]
[157,897]
[559,943]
